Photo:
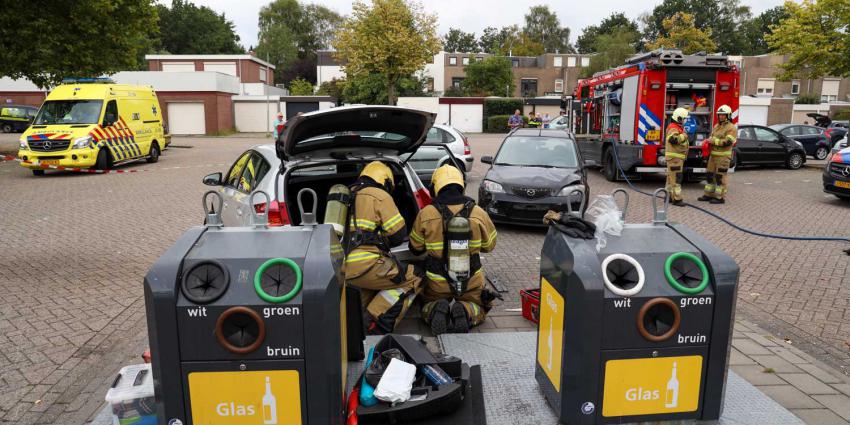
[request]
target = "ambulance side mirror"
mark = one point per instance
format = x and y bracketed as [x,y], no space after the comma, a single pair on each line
[109,120]
[213,179]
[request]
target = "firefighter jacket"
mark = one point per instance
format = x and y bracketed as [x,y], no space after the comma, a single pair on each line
[376,225]
[723,138]
[677,142]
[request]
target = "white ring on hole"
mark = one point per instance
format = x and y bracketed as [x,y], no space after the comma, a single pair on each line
[613,288]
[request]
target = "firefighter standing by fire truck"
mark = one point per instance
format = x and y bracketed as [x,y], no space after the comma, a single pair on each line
[675,153]
[722,139]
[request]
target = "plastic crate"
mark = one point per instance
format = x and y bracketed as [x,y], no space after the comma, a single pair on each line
[530,304]
[132,396]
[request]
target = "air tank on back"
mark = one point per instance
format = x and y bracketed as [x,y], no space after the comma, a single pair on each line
[337,208]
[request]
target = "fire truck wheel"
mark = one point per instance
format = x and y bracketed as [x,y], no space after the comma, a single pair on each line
[609,167]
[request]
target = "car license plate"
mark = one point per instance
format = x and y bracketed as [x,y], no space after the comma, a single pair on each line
[653,135]
[48,161]
[845,185]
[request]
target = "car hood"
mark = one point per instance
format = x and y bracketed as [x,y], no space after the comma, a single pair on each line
[536,177]
[842,156]
[371,127]
[58,131]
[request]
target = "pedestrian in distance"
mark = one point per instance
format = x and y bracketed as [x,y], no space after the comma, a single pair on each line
[278,126]
[515,121]
[534,121]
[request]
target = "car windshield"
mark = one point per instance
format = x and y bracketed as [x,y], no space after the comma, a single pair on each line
[69,112]
[549,152]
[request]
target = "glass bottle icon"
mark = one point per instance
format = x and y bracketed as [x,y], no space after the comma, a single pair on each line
[551,343]
[269,405]
[672,397]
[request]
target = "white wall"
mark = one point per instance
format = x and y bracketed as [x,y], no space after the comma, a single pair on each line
[255,117]
[467,118]
[325,105]
[753,110]
[23,85]
[180,81]
[262,89]
[326,73]
[436,71]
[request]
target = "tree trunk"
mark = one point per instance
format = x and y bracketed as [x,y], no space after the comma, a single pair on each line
[391,90]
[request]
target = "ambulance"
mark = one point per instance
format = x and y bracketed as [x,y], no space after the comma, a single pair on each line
[93,123]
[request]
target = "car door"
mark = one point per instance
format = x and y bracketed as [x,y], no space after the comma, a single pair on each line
[228,190]
[771,150]
[747,146]
[428,158]
[255,170]
[812,137]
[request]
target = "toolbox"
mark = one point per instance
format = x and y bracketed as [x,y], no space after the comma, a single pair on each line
[530,304]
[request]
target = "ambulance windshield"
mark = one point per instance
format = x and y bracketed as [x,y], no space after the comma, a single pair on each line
[69,112]
[546,152]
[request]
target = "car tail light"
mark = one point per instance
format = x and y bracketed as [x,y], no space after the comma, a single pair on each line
[277,213]
[423,198]
[466,150]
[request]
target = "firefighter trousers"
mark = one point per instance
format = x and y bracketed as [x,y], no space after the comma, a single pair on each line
[717,178]
[437,288]
[675,167]
[386,297]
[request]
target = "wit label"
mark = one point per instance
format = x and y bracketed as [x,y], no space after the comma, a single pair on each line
[623,303]
[197,312]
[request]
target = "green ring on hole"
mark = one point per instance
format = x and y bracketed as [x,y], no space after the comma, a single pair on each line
[285,297]
[678,286]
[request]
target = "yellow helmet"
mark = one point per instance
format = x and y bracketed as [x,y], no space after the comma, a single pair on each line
[724,109]
[444,176]
[680,114]
[380,173]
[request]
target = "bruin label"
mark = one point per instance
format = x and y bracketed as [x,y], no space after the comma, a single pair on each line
[691,339]
[289,351]
[684,302]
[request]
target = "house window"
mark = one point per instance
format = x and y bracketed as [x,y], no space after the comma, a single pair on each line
[479,59]
[528,87]
[456,82]
[558,61]
[465,61]
[263,75]
[585,62]
[765,86]
[571,62]
[795,87]
[829,91]
[452,60]
[559,86]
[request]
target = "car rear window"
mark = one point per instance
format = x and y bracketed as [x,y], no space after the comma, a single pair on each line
[371,138]
[538,152]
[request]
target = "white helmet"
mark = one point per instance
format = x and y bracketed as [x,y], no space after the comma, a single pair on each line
[724,109]
[680,114]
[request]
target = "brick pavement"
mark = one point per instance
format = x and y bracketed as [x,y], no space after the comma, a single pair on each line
[71,267]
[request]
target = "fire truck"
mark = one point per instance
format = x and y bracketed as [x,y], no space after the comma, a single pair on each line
[631,105]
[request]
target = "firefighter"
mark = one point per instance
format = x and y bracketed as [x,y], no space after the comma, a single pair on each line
[675,153]
[722,139]
[454,295]
[387,286]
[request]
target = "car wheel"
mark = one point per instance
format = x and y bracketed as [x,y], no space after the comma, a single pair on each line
[610,167]
[38,172]
[104,160]
[7,128]
[154,154]
[794,161]
[821,153]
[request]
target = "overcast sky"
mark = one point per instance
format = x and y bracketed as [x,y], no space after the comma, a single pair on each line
[469,15]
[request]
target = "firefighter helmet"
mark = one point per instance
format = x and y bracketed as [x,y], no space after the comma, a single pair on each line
[444,176]
[680,114]
[380,173]
[724,109]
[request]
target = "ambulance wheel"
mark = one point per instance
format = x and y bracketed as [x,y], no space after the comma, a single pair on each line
[38,172]
[154,155]
[104,160]
[610,167]
[7,128]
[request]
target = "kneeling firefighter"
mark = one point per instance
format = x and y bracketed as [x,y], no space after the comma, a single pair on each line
[675,153]
[722,139]
[453,231]
[387,286]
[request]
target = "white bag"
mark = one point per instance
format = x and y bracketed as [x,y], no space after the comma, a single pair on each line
[605,214]
[396,382]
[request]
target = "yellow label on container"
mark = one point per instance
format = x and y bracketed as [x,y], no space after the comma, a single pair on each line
[270,397]
[550,332]
[651,386]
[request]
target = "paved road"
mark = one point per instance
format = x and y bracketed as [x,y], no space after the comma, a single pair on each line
[74,248]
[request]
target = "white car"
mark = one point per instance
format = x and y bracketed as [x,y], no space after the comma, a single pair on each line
[841,144]
[455,140]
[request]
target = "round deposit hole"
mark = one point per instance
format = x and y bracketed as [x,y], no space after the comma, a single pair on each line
[240,330]
[278,280]
[686,273]
[205,282]
[622,275]
[658,319]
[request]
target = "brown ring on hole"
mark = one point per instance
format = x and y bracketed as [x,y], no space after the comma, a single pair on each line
[677,319]
[261,335]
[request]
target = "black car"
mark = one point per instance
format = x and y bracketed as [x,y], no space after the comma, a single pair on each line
[834,130]
[535,170]
[758,145]
[836,174]
[16,117]
[814,140]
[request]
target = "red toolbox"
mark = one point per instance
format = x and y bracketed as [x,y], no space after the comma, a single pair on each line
[530,304]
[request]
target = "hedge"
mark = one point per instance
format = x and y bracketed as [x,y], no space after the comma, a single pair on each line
[500,106]
[499,123]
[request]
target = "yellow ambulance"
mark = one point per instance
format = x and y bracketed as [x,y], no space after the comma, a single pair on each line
[93,123]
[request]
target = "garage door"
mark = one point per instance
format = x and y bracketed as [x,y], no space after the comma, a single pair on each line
[255,117]
[222,67]
[753,114]
[186,118]
[293,108]
[178,67]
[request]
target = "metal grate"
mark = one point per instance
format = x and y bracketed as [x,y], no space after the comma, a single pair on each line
[532,192]
[48,145]
[840,170]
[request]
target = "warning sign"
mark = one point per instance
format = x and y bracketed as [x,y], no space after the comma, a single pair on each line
[551,332]
[245,398]
[651,386]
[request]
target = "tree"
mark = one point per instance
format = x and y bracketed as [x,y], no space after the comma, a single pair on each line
[45,41]
[458,41]
[757,28]
[614,23]
[542,26]
[371,88]
[613,50]
[188,29]
[492,76]
[393,38]
[300,87]
[333,88]
[509,41]
[815,38]
[683,35]
[722,17]
[492,39]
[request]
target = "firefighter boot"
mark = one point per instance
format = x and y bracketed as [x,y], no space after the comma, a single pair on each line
[460,322]
[717,201]
[436,314]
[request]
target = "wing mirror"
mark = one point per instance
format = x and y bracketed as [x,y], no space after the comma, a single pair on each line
[213,179]
[589,163]
[487,159]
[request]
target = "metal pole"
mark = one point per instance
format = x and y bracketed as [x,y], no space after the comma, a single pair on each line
[265,91]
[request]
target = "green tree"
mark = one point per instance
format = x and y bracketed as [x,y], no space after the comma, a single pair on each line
[509,40]
[458,41]
[542,26]
[682,34]
[45,41]
[722,17]
[492,39]
[492,76]
[393,38]
[188,29]
[815,38]
[614,23]
[300,87]
[333,88]
[757,28]
[613,50]
[371,88]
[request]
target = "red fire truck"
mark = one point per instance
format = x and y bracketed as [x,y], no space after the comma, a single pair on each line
[631,106]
